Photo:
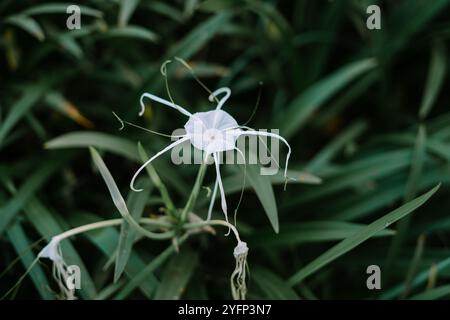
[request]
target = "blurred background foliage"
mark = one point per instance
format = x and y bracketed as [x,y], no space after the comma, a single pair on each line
[365,110]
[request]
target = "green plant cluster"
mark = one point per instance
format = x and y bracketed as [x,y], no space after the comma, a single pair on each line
[365,112]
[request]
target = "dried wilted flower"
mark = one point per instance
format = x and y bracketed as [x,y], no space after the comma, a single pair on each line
[53,252]
[238,283]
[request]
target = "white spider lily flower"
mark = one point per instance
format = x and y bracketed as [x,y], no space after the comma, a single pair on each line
[212,132]
[53,252]
[238,283]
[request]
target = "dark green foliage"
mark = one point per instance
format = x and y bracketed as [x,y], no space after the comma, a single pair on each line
[365,110]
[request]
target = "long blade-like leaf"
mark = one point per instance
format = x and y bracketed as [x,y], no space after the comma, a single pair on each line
[359,237]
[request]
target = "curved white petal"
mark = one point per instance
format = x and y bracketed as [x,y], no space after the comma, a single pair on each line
[272,135]
[223,201]
[170,146]
[163,101]
[214,95]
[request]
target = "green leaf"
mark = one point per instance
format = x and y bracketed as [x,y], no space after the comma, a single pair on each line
[103,141]
[408,19]
[374,167]
[127,7]
[346,99]
[117,198]
[203,70]
[439,148]
[417,163]
[276,25]
[415,263]
[218,5]
[61,8]
[328,152]
[143,274]
[433,294]
[28,24]
[165,10]
[177,275]
[19,240]
[274,287]
[263,188]
[70,45]
[299,110]
[136,202]
[119,146]
[20,108]
[435,79]
[359,237]
[12,207]
[420,279]
[109,290]
[361,206]
[131,32]
[233,183]
[196,39]
[309,231]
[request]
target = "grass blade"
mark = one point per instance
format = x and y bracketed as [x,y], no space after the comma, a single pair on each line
[127,7]
[131,32]
[11,208]
[198,37]
[19,240]
[299,110]
[417,163]
[152,266]
[436,75]
[116,196]
[177,275]
[264,192]
[136,202]
[218,5]
[19,109]
[28,24]
[433,294]
[309,231]
[356,239]
[117,145]
[165,9]
[103,141]
[420,279]
[327,153]
[274,287]
[61,8]
[118,200]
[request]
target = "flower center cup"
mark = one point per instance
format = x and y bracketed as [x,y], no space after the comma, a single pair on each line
[212,131]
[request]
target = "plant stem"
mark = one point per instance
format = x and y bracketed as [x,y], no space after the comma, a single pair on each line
[110,223]
[211,223]
[195,191]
